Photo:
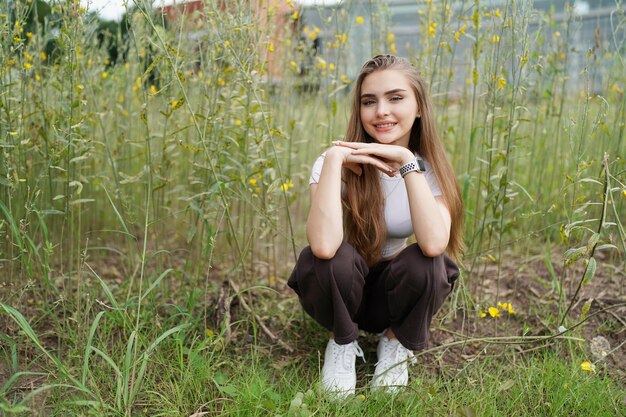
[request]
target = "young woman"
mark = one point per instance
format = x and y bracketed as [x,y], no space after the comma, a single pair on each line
[388,180]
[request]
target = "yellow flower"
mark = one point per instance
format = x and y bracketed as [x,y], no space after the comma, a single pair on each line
[462,29]
[617,89]
[494,312]
[588,366]
[392,48]
[624,192]
[43,56]
[432,29]
[391,37]
[226,44]
[320,63]
[286,185]
[27,65]
[221,82]
[482,314]
[359,20]
[293,64]
[501,83]
[457,36]
[344,79]
[253,181]
[508,307]
[238,122]
[209,333]
[557,34]
[271,47]
[104,75]
[295,15]
[496,12]
[153,90]
[361,397]
[495,39]
[331,66]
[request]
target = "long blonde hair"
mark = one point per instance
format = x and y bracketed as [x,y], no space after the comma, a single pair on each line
[363,199]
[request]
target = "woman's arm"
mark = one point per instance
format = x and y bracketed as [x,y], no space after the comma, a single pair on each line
[324,226]
[429,215]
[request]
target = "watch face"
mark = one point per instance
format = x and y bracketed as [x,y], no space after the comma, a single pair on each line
[420,165]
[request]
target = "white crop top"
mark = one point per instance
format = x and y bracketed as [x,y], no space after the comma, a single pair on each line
[397,214]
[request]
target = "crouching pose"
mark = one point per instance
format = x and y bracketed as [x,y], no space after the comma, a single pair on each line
[388,180]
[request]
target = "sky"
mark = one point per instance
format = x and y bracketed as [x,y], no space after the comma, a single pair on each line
[114,9]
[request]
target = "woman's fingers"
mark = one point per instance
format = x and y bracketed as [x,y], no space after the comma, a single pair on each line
[370,160]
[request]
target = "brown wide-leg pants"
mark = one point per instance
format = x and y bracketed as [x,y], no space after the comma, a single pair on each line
[344,295]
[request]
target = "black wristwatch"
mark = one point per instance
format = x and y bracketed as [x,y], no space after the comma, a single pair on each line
[416,165]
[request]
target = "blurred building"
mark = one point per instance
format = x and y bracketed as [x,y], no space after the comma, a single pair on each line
[591,24]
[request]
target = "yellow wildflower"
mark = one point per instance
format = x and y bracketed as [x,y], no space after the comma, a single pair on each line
[43,56]
[104,75]
[508,307]
[295,15]
[557,34]
[209,333]
[482,314]
[624,192]
[496,12]
[226,44]
[293,64]
[462,29]
[617,89]
[153,90]
[359,20]
[27,65]
[221,82]
[588,366]
[494,312]
[432,29]
[345,79]
[252,181]
[271,47]
[238,122]
[495,38]
[391,37]
[286,185]
[501,83]
[28,56]
[457,36]
[320,63]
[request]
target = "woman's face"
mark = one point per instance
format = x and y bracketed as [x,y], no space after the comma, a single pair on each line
[388,107]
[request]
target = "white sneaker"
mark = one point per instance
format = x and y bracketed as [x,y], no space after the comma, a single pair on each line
[339,372]
[392,371]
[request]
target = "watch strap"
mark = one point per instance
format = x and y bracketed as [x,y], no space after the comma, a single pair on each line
[416,165]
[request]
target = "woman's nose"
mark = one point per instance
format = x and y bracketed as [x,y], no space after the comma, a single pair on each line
[382,109]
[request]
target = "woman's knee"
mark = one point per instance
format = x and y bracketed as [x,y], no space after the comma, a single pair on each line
[342,271]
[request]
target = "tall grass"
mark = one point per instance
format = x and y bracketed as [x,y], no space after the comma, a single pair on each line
[143,202]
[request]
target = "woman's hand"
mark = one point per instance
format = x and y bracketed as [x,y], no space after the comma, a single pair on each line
[391,156]
[352,159]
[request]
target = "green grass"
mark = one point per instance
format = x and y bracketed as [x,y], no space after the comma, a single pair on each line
[142,204]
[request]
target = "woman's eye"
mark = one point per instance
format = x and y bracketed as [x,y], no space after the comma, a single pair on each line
[396,98]
[367,102]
